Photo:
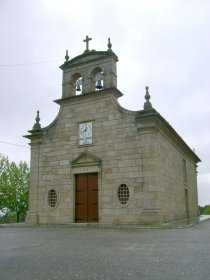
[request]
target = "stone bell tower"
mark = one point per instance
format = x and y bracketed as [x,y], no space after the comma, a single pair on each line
[91,71]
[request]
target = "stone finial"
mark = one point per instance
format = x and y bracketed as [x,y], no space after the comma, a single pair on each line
[109,45]
[147,104]
[67,56]
[37,125]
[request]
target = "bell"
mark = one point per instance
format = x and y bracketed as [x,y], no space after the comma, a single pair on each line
[78,88]
[99,85]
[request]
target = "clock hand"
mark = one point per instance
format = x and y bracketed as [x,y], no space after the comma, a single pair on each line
[84,129]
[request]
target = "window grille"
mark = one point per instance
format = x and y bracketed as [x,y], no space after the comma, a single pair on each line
[52,198]
[123,194]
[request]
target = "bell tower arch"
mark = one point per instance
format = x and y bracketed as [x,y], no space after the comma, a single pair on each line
[97,78]
[91,71]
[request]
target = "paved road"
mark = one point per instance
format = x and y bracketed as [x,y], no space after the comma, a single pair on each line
[42,253]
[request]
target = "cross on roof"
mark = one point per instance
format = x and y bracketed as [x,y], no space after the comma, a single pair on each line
[87,39]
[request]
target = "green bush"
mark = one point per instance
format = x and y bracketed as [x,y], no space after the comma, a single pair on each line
[206,210]
[11,218]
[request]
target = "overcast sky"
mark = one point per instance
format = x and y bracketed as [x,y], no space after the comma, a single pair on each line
[161,44]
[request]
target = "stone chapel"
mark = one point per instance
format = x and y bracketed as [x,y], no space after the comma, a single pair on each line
[100,163]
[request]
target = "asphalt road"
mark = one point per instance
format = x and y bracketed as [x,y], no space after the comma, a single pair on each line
[40,253]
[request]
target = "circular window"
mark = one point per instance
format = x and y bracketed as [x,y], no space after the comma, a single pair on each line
[52,198]
[123,194]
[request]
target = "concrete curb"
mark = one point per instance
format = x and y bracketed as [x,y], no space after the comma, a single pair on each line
[181,224]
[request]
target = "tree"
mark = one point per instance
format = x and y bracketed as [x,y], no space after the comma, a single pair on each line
[204,210]
[14,186]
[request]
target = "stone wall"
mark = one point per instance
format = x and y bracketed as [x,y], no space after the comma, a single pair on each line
[171,182]
[131,151]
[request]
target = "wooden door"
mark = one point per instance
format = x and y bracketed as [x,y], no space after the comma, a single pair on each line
[86,198]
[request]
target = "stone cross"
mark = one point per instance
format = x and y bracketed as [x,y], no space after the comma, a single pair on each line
[87,42]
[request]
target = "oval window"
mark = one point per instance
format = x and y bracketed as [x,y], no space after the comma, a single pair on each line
[123,194]
[52,198]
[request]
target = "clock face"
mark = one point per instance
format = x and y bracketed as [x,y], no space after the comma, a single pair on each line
[85,133]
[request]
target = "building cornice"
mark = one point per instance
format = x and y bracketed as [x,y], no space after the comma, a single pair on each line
[152,119]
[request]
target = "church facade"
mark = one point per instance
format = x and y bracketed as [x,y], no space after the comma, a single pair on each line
[100,163]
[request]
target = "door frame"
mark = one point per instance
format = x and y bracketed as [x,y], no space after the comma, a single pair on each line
[87,196]
[186,198]
[86,163]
